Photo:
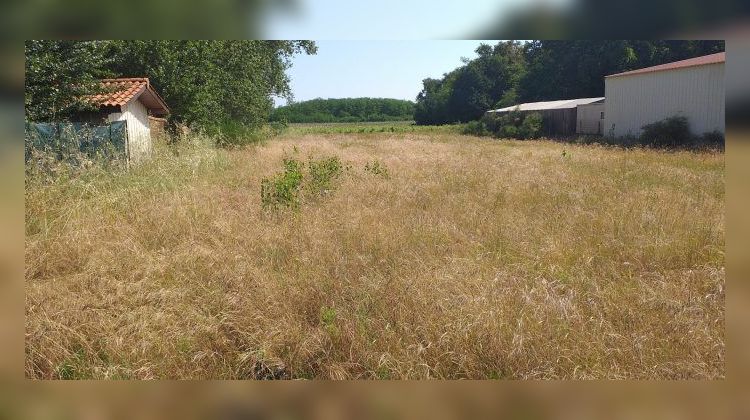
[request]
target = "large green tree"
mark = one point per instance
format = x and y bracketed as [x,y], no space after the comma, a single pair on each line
[59,74]
[207,84]
[467,92]
[211,84]
[576,69]
[432,101]
[511,73]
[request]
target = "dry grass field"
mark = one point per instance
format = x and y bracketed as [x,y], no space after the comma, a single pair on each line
[470,258]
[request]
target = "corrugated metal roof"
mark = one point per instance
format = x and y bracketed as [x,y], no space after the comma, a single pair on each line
[690,62]
[123,90]
[548,105]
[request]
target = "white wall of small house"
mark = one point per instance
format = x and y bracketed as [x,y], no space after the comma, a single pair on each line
[636,100]
[139,135]
[589,119]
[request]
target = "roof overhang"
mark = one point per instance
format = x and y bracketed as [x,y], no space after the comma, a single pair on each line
[550,105]
[122,91]
[718,58]
[153,101]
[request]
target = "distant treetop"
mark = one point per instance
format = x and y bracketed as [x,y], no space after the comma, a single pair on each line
[345,110]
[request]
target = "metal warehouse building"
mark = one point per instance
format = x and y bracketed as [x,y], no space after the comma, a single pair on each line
[563,117]
[692,88]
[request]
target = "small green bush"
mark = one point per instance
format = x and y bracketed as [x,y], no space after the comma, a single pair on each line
[283,189]
[669,132]
[475,128]
[518,125]
[278,127]
[531,126]
[513,124]
[233,134]
[73,367]
[711,139]
[322,173]
[508,131]
[377,168]
[328,318]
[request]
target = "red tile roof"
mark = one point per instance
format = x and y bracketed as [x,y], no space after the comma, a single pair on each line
[123,90]
[690,62]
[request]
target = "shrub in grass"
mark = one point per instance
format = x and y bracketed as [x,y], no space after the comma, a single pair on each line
[518,125]
[322,173]
[508,131]
[278,127]
[711,139]
[531,126]
[73,367]
[283,189]
[668,132]
[376,168]
[513,124]
[328,320]
[475,128]
[233,134]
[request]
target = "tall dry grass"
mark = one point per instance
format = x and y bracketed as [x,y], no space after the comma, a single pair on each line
[473,258]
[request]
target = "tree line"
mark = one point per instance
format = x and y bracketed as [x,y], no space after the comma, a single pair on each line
[214,86]
[345,110]
[512,72]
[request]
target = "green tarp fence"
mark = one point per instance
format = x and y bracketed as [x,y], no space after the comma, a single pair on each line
[68,139]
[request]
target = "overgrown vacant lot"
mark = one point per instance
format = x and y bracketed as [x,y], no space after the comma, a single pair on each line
[470,258]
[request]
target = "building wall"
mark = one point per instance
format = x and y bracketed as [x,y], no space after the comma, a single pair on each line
[555,122]
[558,121]
[139,137]
[590,119]
[636,100]
[157,127]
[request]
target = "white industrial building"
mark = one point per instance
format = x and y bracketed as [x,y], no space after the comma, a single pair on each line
[692,88]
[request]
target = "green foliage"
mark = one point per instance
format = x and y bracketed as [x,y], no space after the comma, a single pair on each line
[675,132]
[712,139]
[509,131]
[322,173]
[669,132]
[73,367]
[531,127]
[278,127]
[59,76]
[222,88]
[475,128]
[345,110]
[377,167]
[234,134]
[510,73]
[328,319]
[283,190]
[559,69]
[368,127]
[213,85]
[466,93]
[513,124]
